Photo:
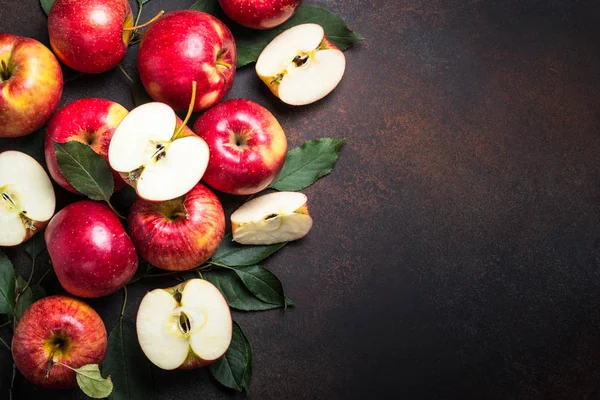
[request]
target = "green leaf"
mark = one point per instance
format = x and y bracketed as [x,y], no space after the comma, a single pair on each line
[234,369]
[7,285]
[35,245]
[24,297]
[308,163]
[127,365]
[139,94]
[85,170]
[262,283]
[234,254]
[208,6]
[46,5]
[92,383]
[237,294]
[32,144]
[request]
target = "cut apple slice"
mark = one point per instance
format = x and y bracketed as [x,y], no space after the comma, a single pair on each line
[27,198]
[300,66]
[186,326]
[156,155]
[272,218]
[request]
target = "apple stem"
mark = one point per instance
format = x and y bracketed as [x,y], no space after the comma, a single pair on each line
[4,73]
[135,28]
[190,110]
[51,361]
[223,64]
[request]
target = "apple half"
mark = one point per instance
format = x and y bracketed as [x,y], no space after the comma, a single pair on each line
[300,66]
[157,154]
[272,218]
[187,326]
[27,198]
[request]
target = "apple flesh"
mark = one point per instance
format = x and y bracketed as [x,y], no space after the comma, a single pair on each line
[301,66]
[272,218]
[247,146]
[31,85]
[179,234]
[186,326]
[89,35]
[57,329]
[182,47]
[27,198]
[90,251]
[260,14]
[89,121]
[157,154]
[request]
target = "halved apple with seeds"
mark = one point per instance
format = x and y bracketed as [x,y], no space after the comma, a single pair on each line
[187,326]
[27,198]
[157,154]
[272,218]
[300,66]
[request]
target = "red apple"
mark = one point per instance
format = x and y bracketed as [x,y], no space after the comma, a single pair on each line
[89,121]
[185,46]
[57,329]
[89,35]
[247,146]
[260,14]
[178,234]
[31,84]
[90,250]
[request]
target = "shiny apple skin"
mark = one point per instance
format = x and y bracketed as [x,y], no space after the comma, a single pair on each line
[260,14]
[252,166]
[87,35]
[182,47]
[91,253]
[32,93]
[179,234]
[45,321]
[89,121]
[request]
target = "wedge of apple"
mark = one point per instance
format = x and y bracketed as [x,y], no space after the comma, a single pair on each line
[272,218]
[300,66]
[186,326]
[27,198]
[157,154]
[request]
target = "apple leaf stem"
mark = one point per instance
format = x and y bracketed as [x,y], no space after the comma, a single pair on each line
[5,345]
[6,324]
[43,276]
[115,210]
[136,27]
[124,302]
[190,110]
[139,13]
[126,74]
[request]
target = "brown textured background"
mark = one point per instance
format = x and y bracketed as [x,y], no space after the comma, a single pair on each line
[456,249]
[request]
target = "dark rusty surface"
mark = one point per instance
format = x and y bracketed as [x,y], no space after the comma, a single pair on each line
[456,247]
